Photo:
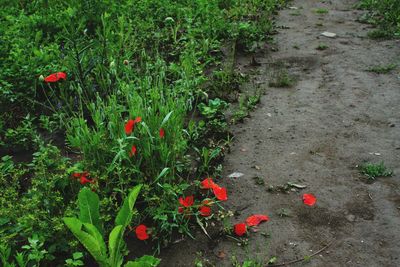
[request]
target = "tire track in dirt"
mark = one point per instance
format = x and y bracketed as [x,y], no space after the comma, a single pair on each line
[315,133]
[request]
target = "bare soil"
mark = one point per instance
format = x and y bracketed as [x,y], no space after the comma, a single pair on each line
[336,116]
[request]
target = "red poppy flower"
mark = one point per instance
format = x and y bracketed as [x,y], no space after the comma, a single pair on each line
[55,77]
[84,180]
[205,211]
[208,183]
[133,151]
[220,193]
[130,125]
[187,201]
[141,232]
[240,229]
[309,199]
[162,133]
[255,220]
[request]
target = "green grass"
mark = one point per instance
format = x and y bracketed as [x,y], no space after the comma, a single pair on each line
[374,170]
[282,78]
[382,69]
[379,34]
[321,11]
[322,47]
[383,13]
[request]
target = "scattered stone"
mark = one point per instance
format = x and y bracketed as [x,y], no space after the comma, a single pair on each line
[257,167]
[235,175]
[351,218]
[329,34]
[221,254]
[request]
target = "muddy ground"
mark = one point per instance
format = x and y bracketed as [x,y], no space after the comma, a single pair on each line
[336,116]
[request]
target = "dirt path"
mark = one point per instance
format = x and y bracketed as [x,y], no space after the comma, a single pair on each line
[315,133]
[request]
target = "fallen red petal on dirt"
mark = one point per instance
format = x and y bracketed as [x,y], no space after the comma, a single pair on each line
[205,211]
[187,201]
[220,193]
[240,229]
[141,232]
[309,199]
[255,220]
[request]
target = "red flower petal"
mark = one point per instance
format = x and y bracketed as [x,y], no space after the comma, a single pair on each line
[240,229]
[83,180]
[220,193]
[138,119]
[309,199]
[187,201]
[255,220]
[162,133]
[55,77]
[208,183]
[133,151]
[205,211]
[62,75]
[141,232]
[180,209]
[129,126]
[77,174]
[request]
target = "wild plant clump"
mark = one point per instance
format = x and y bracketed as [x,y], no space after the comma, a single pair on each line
[100,96]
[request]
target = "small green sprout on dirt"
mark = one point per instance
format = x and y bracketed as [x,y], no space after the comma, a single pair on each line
[322,47]
[382,69]
[246,104]
[283,212]
[295,13]
[374,170]
[259,180]
[379,34]
[214,108]
[321,11]
[282,79]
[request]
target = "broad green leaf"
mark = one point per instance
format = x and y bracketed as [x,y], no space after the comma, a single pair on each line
[115,245]
[145,261]
[94,232]
[89,208]
[125,214]
[91,243]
